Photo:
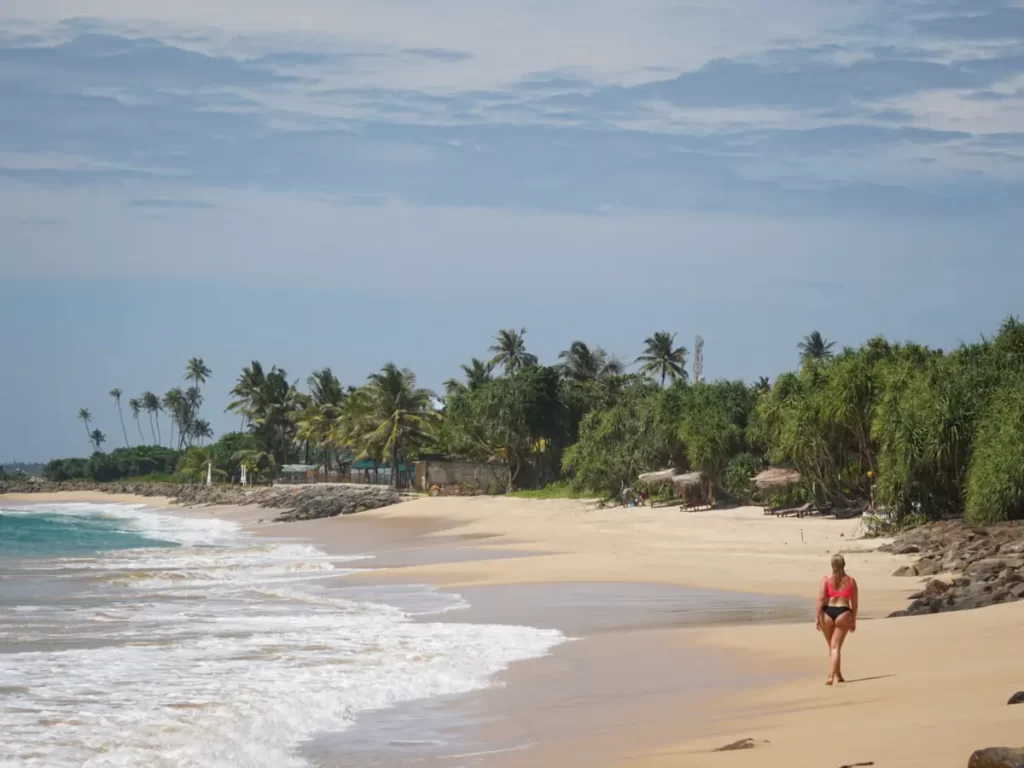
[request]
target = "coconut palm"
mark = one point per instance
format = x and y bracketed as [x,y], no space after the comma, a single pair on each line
[325,388]
[86,417]
[136,408]
[581,363]
[97,438]
[510,351]
[815,347]
[178,412]
[477,374]
[662,358]
[151,404]
[201,429]
[763,385]
[398,413]
[246,391]
[116,394]
[197,372]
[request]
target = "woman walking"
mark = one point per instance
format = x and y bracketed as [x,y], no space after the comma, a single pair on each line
[837,614]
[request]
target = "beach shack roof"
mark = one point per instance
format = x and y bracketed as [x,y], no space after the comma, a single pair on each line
[654,478]
[299,469]
[774,478]
[688,480]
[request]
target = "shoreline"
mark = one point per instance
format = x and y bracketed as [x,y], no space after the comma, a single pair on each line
[907,670]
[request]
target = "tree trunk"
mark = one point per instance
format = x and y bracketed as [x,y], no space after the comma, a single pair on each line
[88,434]
[393,479]
[124,431]
[156,418]
[151,430]
[142,437]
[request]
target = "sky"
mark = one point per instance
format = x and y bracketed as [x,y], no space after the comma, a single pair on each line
[346,183]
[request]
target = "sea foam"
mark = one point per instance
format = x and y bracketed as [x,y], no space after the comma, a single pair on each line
[224,651]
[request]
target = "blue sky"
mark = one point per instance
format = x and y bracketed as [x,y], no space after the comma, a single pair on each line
[348,182]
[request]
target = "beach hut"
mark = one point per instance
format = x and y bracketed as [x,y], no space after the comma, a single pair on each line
[775,479]
[694,490]
[297,474]
[778,479]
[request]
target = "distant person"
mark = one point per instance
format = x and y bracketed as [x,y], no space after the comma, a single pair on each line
[837,614]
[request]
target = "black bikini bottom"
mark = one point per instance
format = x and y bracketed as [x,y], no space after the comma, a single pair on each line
[835,611]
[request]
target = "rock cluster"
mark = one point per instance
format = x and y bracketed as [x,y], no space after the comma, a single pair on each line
[303,502]
[987,565]
[997,757]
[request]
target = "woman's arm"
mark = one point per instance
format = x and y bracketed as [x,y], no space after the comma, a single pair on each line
[854,602]
[820,610]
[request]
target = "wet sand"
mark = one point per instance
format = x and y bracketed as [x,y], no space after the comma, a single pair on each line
[643,687]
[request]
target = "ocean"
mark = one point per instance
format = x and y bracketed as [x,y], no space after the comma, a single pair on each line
[131,637]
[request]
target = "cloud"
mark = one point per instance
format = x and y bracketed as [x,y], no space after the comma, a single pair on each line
[185,205]
[846,123]
[438,54]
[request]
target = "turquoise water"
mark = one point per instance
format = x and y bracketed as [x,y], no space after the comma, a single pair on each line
[53,534]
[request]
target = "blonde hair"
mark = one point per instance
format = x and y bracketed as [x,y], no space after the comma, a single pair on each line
[838,567]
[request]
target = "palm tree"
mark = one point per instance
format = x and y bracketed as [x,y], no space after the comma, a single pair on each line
[136,409]
[325,388]
[510,351]
[477,374]
[246,390]
[174,403]
[152,406]
[763,385]
[197,372]
[399,415]
[201,428]
[815,347]
[116,394]
[581,363]
[661,358]
[86,417]
[97,438]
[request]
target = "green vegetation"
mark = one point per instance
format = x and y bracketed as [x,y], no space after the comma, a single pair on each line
[929,434]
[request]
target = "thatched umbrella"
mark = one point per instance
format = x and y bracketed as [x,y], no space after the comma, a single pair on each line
[693,487]
[688,480]
[776,478]
[656,478]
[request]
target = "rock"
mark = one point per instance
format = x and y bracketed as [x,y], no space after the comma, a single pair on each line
[997,757]
[906,570]
[898,614]
[1017,698]
[741,744]
[928,568]
[935,587]
[907,549]
[304,502]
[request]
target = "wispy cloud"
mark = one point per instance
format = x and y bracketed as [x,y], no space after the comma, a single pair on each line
[184,205]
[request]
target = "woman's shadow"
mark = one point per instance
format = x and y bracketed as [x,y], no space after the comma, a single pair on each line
[867,679]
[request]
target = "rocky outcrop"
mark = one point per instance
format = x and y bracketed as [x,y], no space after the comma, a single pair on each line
[997,757]
[304,502]
[986,565]
[1017,698]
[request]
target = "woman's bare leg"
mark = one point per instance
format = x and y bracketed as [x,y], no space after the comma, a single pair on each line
[828,628]
[842,625]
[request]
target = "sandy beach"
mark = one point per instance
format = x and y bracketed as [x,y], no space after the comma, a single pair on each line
[922,691]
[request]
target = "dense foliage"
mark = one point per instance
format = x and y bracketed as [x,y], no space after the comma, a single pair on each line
[116,465]
[926,434]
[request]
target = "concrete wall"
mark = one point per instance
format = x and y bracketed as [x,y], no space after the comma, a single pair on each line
[484,476]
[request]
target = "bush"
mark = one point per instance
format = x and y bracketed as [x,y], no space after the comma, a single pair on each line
[738,472]
[117,465]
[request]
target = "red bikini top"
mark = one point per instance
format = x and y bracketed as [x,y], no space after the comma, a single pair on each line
[846,592]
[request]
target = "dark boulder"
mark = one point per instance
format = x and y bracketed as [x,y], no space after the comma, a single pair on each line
[997,757]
